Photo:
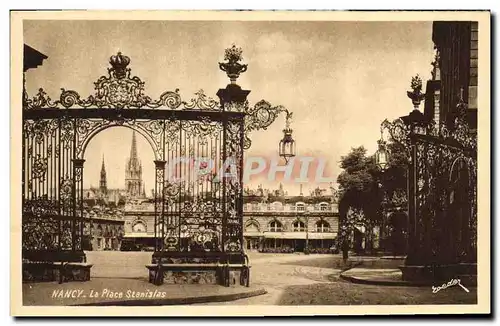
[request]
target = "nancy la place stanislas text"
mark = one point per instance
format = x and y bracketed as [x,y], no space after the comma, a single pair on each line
[109,294]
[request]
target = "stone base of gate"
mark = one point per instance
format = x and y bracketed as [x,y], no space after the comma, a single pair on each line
[56,272]
[211,276]
[439,274]
[190,277]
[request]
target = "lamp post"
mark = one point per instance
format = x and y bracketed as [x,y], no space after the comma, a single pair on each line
[382,162]
[306,218]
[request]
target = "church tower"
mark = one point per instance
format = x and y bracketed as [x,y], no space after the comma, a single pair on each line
[103,184]
[133,172]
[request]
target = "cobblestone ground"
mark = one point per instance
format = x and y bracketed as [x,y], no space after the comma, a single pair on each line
[293,279]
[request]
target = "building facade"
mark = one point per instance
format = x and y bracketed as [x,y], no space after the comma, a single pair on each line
[139,221]
[103,228]
[276,222]
[455,72]
[272,221]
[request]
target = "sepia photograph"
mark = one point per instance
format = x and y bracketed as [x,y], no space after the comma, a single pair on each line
[313,163]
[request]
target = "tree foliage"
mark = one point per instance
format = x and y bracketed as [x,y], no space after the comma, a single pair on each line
[362,184]
[394,178]
[359,182]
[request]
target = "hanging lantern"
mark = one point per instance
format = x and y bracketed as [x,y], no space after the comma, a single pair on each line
[382,156]
[287,144]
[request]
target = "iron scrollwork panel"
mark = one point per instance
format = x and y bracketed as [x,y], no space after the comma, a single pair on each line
[152,130]
[50,217]
[446,209]
[199,200]
[159,203]
[233,190]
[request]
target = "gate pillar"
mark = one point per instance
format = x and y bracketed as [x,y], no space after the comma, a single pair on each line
[233,99]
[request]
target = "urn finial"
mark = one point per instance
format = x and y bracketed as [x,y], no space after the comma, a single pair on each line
[233,67]
[416,94]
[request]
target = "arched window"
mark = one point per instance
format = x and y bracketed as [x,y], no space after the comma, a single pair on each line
[275,226]
[322,226]
[139,226]
[298,226]
[252,226]
[301,207]
[323,207]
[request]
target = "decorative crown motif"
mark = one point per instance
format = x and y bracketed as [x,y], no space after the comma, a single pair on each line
[232,67]
[119,65]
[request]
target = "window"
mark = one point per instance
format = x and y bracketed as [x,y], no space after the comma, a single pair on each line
[301,207]
[252,227]
[278,206]
[298,226]
[322,226]
[139,227]
[323,207]
[275,226]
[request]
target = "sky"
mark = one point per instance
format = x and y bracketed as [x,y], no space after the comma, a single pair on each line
[340,79]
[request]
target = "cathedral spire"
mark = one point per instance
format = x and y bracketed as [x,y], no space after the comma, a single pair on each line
[103,168]
[133,148]
[133,171]
[103,184]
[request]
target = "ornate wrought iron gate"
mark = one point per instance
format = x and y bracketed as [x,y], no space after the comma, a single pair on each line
[443,185]
[442,189]
[198,147]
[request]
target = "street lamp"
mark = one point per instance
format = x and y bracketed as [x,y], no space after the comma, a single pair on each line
[287,144]
[382,162]
[382,154]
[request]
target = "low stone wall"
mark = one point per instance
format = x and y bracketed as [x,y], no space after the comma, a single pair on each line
[55,272]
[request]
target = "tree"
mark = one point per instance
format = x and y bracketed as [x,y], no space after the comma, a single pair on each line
[359,192]
[362,187]
[394,178]
[358,183]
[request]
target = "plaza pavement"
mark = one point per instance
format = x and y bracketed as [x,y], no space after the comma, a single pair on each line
[285,279]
